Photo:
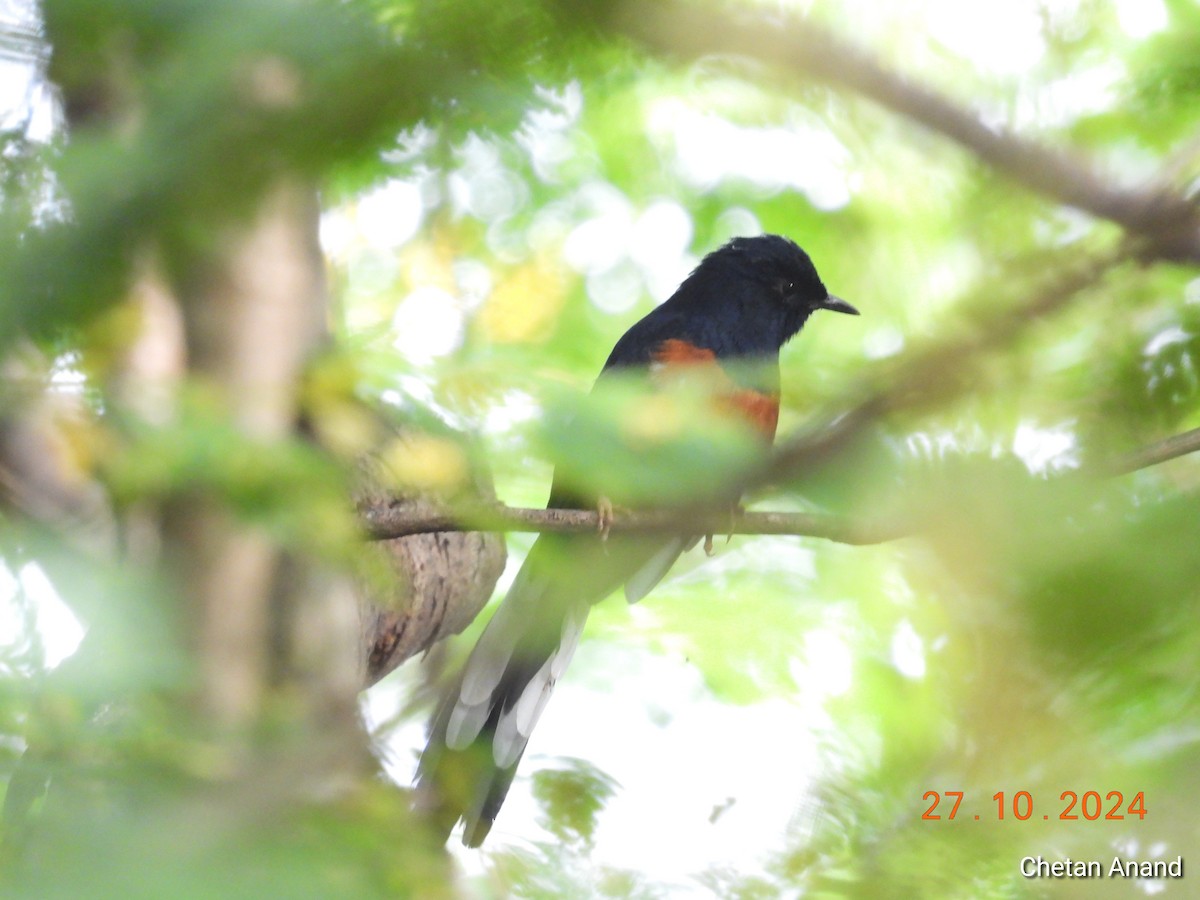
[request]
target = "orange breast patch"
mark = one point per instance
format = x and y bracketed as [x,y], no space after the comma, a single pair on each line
[759,410]
[674,351]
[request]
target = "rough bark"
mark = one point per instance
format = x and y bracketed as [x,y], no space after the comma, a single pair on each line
[441,581]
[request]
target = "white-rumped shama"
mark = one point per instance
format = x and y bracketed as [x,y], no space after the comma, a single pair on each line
[732,313]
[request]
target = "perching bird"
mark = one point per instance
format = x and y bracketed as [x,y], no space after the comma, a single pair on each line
[729,318]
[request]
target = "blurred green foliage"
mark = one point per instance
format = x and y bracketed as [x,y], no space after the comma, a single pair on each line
[550,183]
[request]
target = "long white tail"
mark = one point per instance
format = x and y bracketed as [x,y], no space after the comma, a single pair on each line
[484,721]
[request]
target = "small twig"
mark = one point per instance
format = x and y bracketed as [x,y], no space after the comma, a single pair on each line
[387,521]
[1167,449]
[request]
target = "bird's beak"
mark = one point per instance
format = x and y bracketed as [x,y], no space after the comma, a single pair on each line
[837,304]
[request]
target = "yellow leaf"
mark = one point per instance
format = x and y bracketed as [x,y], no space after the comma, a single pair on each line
[424,462]
[524,305]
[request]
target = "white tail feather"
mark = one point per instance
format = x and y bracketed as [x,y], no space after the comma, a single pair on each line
[571,631]
[483,673]
[495,648]
[516,724]
[642,582]
[465,723]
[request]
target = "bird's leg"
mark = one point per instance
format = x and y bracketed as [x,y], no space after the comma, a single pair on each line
[604,513]
[735,510]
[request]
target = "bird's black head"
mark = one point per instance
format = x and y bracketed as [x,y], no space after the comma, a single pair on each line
[767,282]
[783,269]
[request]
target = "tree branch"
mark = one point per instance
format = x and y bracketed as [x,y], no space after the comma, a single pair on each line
[798,46]
[1167,449]
[385,521]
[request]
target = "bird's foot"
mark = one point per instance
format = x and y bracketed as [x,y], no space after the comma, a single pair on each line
[604,514]
[735,512]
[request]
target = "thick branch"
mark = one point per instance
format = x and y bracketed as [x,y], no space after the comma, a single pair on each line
[798,46]
[253,313]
